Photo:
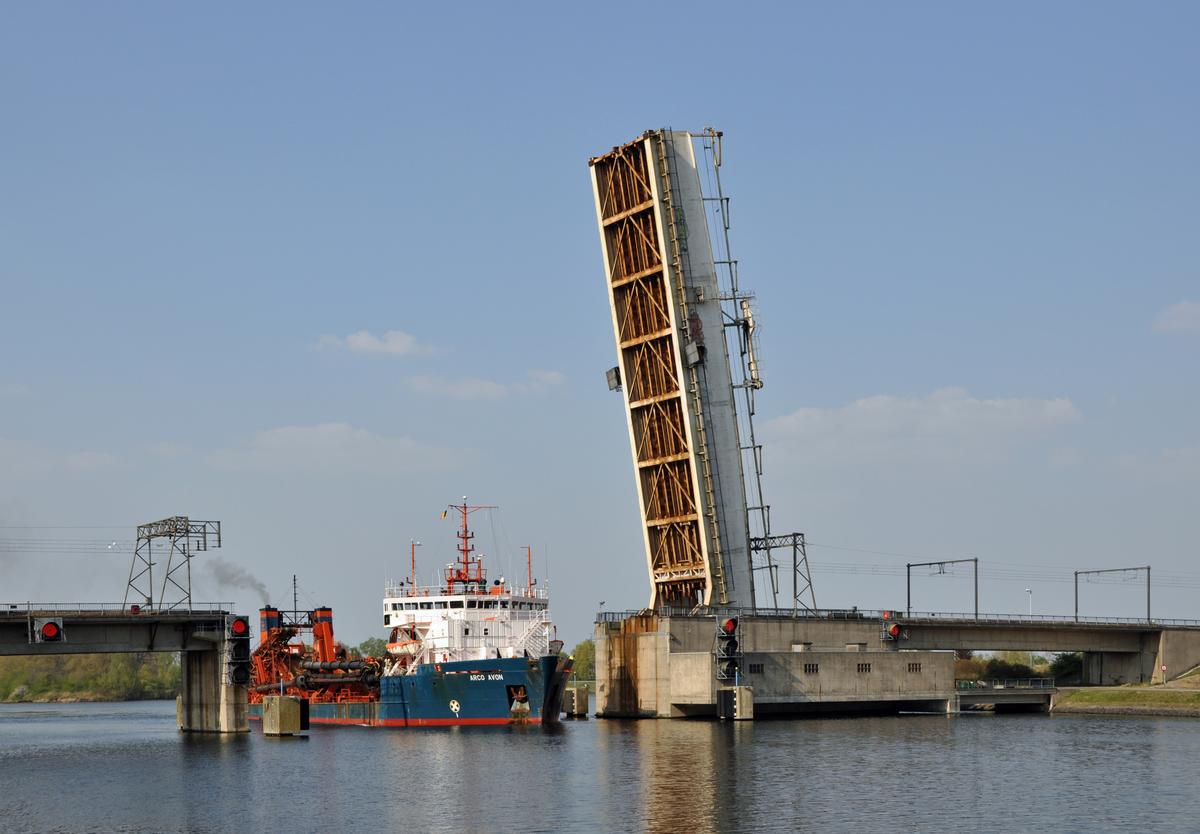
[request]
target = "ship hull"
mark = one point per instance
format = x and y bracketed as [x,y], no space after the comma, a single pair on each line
[462,693]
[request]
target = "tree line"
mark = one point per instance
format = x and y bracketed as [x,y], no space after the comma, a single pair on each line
[90,677]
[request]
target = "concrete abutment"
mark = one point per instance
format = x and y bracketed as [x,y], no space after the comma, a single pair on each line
[208,703]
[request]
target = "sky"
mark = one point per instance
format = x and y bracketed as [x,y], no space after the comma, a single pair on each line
[317,272]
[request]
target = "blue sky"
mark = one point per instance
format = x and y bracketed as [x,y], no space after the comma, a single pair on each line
[971,232]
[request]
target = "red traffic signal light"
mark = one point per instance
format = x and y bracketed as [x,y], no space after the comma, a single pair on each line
[50,632]
[894,631]
[238,650]
[729,626]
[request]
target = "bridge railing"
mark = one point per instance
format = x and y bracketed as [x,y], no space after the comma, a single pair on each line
[1064,619]
[1005,683]
[899,614]
[11,608]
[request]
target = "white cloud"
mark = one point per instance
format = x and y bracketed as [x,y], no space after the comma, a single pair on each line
[393,342]
[947,424]
[473,388]
[334,447]
[1178,318]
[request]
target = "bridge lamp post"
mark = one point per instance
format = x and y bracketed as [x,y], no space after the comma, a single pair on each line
[1029,591]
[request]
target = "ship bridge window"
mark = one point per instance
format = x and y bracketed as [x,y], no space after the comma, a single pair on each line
[410,606]
[456,603]
[425,606]
[491,603]
[439,605]
[504,604]
[471,603]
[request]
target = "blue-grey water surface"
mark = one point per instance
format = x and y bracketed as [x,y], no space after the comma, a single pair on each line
[124,767]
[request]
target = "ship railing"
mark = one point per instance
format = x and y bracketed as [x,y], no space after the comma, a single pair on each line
[401,588]
[534,636]
[492,641]
[499,614]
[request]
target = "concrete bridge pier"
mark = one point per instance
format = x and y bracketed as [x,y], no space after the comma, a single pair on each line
[208,703]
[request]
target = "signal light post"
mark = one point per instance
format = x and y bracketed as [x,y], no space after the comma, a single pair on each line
[237,641]
[728,651]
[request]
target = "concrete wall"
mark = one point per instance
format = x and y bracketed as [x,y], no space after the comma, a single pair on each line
[1179,651]
[631,666]
[884,675]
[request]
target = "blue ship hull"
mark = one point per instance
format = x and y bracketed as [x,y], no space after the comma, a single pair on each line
[470,692]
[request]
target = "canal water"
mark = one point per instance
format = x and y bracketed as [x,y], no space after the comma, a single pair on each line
[124,767]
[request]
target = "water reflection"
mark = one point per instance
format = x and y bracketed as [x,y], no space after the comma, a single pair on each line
[130,770]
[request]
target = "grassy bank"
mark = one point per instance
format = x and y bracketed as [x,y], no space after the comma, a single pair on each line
[1130,700]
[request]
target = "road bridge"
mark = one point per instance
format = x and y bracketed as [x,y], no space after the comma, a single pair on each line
[209,700]
[1004,695]
[1115,649]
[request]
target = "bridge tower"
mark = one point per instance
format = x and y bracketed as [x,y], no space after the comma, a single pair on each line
[674,369]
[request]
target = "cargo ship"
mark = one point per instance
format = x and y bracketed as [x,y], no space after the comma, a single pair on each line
[463,652]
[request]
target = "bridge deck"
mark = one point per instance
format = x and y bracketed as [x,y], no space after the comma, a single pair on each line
[89,628]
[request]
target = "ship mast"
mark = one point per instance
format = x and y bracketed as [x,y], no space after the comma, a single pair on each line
[468,570]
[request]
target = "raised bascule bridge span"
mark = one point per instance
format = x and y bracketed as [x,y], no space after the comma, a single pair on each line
[713,639]
[157,615]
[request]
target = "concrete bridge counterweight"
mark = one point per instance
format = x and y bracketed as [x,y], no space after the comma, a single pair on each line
[208,702]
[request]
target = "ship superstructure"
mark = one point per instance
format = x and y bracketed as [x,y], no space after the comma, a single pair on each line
[465,617]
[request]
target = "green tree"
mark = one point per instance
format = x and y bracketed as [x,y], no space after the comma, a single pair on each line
[585,660]
[373,647]
[1067,665]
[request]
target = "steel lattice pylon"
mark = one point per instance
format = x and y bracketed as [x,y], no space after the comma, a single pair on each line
[182,537]
[801,577]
